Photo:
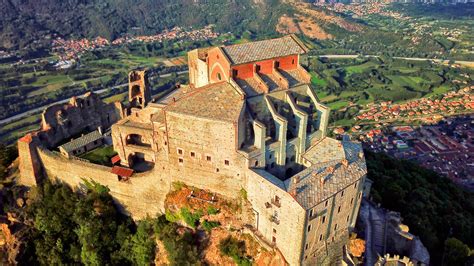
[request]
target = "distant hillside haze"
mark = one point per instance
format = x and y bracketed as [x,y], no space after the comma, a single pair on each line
[24,21]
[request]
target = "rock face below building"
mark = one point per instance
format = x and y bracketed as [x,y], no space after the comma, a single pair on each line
[248,123]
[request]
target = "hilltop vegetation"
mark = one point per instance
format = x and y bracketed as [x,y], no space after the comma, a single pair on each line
[432,206]
[64,227]
[28,23]
[428,32]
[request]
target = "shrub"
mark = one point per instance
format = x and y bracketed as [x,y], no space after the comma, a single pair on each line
[208,225]
[171,217]
[243,193]
[182,249]
[191,219]
[178,185]
[235,249]
[212,210]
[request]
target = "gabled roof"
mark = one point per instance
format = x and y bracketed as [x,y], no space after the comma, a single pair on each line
[322,179]
[115,159]
[262,50]
[81,141]
[122,171]
[218,101]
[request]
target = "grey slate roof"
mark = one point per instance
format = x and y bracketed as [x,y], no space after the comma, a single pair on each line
[262,50]
[81,141]
[310,190]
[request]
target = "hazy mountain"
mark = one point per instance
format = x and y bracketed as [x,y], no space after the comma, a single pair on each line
[24,21]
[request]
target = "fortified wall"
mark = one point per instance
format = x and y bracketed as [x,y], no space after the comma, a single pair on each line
[142,195]
[248,120]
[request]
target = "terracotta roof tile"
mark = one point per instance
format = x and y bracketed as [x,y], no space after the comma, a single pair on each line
[122,171]
[262,50]
[115,159]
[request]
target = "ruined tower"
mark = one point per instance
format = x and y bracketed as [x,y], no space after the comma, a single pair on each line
[139,93]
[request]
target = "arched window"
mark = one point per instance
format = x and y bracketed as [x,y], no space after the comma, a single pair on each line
[136,91]
[136,139]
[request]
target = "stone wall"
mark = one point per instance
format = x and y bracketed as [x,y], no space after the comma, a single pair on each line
[288,231]
[218,66]
[195,159]
[63,121]
[142,195]
[329,219]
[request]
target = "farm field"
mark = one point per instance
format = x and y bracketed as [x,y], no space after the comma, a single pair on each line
[347,86]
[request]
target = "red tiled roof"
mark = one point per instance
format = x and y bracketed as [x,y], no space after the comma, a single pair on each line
[122,171]
[115,159]
[28,138]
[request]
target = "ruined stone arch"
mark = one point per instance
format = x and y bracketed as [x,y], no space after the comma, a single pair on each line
[136,91]
[134,76]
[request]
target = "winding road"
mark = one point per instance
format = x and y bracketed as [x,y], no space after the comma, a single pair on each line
[335,56]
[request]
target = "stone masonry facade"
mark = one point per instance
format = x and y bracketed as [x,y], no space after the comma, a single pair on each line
[247,120]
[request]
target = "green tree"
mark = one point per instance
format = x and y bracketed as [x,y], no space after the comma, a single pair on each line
[143,244]
[455,252]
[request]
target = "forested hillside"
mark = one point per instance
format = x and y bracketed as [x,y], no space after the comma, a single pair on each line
[432,206]
[22,22]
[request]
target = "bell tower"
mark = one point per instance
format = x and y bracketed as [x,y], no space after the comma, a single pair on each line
[139,94]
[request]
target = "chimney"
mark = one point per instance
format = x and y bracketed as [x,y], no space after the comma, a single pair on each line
[330,170]
[345,162]
[296,179]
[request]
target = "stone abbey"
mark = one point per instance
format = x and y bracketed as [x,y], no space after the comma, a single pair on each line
[247,120]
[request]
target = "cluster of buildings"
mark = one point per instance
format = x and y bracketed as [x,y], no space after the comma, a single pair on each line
[451,34]
[385,2]
[446,147]
[70,50]
[426,109]
[248,120]
[5,54]
[176,33]
[361,9]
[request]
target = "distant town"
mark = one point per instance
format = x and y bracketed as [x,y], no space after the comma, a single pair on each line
[70,50]
[446,147]
[443,143]
[425,109]
[361,9]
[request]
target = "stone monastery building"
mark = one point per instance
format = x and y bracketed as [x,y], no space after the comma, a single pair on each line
[247,120]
